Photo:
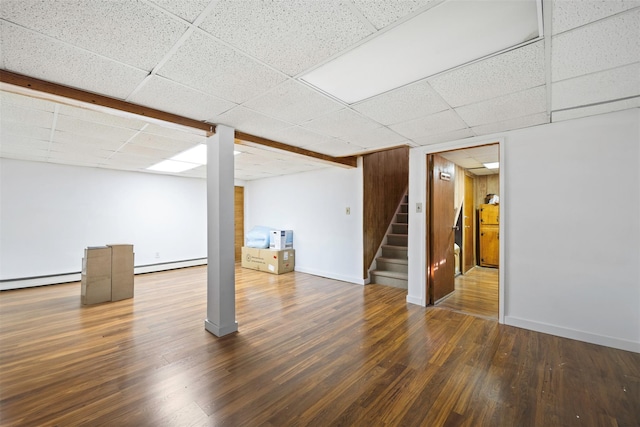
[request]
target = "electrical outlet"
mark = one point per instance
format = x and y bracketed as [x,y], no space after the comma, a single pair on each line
[157,254]
[348,211]
[418,207]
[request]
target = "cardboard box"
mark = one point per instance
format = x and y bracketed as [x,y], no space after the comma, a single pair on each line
[271,261]
[121,271]
[96,275]
[281,239]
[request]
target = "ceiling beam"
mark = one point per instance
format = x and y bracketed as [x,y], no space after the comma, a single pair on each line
[248,139]
[101,100]
[68,92]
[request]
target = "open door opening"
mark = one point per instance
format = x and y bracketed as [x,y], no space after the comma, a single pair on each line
[462,247]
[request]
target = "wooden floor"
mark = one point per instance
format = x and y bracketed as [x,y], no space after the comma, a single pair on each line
[476,293]
[310,351]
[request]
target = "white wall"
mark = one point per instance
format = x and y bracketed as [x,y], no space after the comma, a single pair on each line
[570,211]
[49,213]
[328,242]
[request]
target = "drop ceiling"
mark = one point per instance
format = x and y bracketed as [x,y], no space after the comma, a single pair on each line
[239,63]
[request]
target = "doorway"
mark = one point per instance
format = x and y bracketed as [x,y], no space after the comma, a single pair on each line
[472,286]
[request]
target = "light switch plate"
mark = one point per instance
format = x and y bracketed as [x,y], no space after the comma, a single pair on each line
[418,207]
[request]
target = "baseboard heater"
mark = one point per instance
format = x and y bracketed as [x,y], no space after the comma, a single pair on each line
[55,279]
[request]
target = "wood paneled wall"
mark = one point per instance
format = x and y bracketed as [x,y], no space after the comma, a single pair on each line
[386,177]
[486,184]
[239,221]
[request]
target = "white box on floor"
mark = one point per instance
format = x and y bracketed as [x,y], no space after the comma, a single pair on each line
[281,239]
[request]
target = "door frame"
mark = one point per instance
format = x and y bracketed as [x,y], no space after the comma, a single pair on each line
[417,219]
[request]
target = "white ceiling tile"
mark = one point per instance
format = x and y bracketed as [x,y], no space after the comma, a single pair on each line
[406,103]
[131,32]
[599,46]
[129,160]
[209,66]
[603,86]
[91,141]
[92,129]
[444,137]
[74,160]
[169,96]
[27,116]
[11,130]
[195,136]
[26,101]
[84,150]
[290,35]
[508,72]
[293,102]
[380,137]
[300,137]
[145,151]
[568,14]
[160,142]
[337,148]
[506,107]
[434,124]
[342,124]
[384,12]
[248,121]
[188,10]
[22,143]
[517,123]
[100,117]
[32,54]
[595,109]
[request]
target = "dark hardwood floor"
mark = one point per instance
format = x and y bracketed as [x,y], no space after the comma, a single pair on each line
[476,293]
[310,351]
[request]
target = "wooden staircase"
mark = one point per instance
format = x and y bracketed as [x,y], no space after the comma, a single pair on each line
[391,267]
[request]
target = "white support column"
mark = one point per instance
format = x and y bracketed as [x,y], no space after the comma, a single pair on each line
[221,285]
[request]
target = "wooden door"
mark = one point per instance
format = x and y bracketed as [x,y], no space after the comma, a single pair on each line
[238,218]
[440,280]
[468,258]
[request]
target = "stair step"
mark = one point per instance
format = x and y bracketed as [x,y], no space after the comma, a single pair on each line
[392,264]
[397,239]
[390,278]
[405,199]
[402,218]
[404,208]
[397,228]
[390,251]
[393,260]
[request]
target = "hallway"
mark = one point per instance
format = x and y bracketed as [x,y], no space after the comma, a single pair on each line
[476,293]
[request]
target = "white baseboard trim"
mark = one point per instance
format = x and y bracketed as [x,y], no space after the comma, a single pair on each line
[31,282]
[57,279]
[328,275]
[415,300]
[560,331]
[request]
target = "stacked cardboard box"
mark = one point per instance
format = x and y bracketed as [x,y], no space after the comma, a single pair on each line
[269,260]
[96,275]
[107,273]
[121,271]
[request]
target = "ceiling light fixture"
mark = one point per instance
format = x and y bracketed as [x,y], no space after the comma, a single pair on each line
[493,165]
[446,36]
[172,166]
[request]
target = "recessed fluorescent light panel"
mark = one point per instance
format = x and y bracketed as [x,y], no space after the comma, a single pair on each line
[189,159]
[494,165]
[172,166]
[446,36]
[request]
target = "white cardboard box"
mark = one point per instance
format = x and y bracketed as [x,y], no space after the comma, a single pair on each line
[281,239]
